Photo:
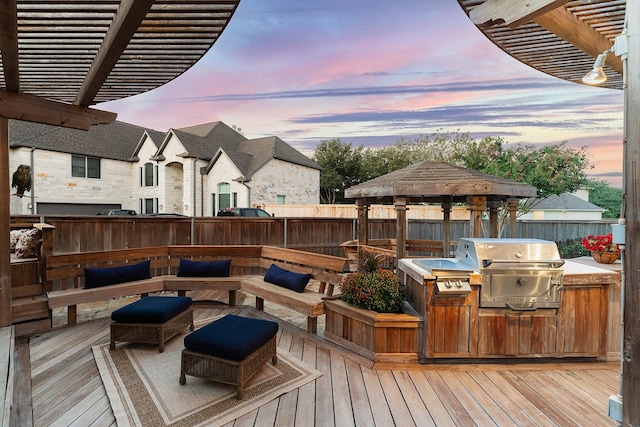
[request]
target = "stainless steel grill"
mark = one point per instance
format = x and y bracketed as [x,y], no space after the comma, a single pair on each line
[520,274]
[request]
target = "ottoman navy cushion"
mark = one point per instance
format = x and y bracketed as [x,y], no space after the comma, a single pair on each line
[151,309]
[231,337]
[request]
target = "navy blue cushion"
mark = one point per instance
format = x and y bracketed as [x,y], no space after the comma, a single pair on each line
[231,337]
[219,268]
[287,279]
[151,309]
[97,277]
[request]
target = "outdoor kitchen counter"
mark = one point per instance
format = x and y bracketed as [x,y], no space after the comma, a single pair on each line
[590,279]
[587,323]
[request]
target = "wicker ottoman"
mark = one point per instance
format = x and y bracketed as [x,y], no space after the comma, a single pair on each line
[151,320]
[229,350]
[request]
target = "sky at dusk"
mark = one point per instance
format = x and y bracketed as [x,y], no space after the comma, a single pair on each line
[371,71]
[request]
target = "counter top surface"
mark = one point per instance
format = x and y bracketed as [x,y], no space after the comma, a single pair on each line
[573,268]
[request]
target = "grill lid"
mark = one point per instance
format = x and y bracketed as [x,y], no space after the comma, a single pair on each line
[483,253]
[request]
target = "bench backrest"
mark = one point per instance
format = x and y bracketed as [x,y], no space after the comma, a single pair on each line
[67,271]
[327,269]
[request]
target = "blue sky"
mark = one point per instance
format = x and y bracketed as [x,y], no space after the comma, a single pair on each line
[370,72]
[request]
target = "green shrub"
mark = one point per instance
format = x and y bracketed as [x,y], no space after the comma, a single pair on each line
[380,291]
[572,248]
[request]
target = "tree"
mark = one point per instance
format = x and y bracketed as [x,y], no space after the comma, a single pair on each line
[552,169]
[610,199]
[341,169]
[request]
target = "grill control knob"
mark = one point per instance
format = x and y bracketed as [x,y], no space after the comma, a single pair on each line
[521,282]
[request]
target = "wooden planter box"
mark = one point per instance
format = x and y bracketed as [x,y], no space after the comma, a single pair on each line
[381,337]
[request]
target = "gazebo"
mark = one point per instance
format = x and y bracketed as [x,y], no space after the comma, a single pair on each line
[436,182]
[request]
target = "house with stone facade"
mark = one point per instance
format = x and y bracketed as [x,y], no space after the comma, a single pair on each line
[193,171]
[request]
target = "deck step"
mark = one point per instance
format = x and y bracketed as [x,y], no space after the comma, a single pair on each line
[29,308]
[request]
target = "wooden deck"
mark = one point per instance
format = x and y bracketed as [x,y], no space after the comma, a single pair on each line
[66,389]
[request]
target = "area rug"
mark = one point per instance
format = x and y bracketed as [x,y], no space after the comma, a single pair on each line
[143,388]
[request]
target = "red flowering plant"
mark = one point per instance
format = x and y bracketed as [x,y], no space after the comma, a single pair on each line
[600,243]
[374,289]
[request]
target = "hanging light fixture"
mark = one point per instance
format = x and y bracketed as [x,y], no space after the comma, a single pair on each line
[597,76]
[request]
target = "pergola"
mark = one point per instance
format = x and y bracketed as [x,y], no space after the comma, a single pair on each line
[444,184]
[60,57]
[562,38]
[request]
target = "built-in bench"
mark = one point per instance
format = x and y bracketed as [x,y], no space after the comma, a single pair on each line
[65,276]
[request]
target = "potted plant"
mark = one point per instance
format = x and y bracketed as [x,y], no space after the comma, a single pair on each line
[602,248]
[372,318]
[374,289]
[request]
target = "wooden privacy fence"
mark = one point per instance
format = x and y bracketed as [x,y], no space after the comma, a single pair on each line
[74,234]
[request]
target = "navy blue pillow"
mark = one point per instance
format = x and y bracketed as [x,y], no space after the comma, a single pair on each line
[97,277]
[287,279]
[189,268]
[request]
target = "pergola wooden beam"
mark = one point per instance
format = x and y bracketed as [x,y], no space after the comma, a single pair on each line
[512,13]
[571,29]
[31,108]
[130,15]
[551,15]
[9,44]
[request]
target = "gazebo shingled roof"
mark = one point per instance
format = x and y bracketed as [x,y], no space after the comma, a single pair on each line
[434,182]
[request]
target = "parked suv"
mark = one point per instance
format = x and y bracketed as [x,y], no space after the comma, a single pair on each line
[244,212]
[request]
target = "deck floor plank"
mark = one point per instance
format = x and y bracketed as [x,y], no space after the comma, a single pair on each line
[456,410]
[399,410]
[22,412]
[57,393]
[500,398]
[526,408]
[437,411]
[532,393]
[362,415]
[286,414]
[415,404]
[67,389]
[379,408]
[324,390]
[561,395]
[341,392]
[466,399]
[305,411]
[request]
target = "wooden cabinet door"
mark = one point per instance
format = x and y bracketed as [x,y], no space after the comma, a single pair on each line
[503,332]
[582,322]
[451,326]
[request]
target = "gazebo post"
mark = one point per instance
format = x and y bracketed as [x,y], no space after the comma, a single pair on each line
[363,221]
[494,228]
[477,205]
[513,214]
[400,205]
[446,228]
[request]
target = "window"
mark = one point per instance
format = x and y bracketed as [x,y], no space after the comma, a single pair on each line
[224,195]
[150,206]
[85,167]
[148,174]
[281,199]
